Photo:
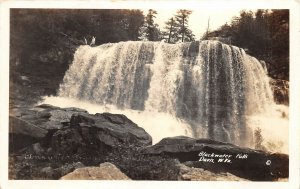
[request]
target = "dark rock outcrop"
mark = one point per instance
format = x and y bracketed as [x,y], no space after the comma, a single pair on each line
[56,118]
[22,133]
[72,130]
[19,126]
[223,157]
[112,129]
[100,132]
[29,126]
[47,116]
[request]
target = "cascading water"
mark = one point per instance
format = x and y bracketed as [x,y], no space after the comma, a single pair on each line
[211,87]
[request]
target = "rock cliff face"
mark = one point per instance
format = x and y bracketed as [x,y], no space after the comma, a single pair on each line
[280,90]
[48,142]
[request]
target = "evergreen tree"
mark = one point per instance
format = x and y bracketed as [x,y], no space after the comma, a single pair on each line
[182,18]
[177,28]
[170,34]
[150,30]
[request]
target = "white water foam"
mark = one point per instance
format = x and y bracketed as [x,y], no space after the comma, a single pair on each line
[274,128]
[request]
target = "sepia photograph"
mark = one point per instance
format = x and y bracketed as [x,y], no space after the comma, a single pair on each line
[179,93]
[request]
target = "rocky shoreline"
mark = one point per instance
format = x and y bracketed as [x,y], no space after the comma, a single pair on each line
[48,142]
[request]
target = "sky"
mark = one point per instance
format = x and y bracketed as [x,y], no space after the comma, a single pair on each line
[198,20]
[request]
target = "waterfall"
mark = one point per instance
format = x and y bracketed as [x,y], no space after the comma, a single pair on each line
[213,87]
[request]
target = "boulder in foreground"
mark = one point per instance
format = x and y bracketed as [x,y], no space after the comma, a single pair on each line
[112,129]
[106,171]
[223,157]
[198,174]
[98,134]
